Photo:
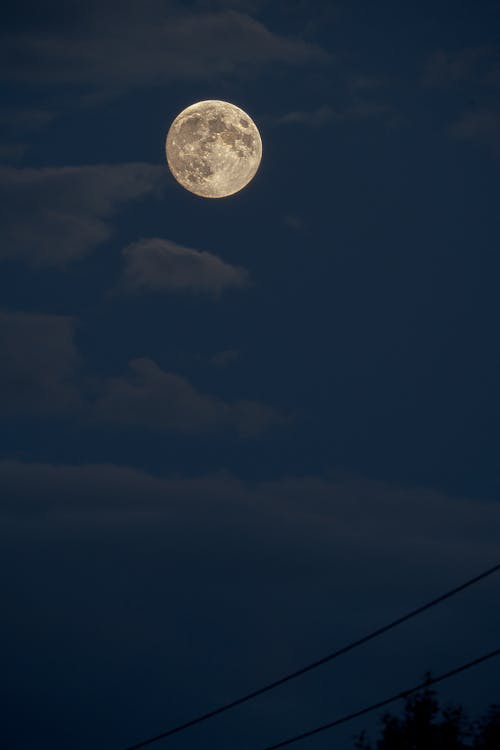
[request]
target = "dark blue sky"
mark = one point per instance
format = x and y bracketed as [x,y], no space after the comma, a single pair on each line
[209,479]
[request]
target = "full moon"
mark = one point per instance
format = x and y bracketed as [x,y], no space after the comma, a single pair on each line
[213,148]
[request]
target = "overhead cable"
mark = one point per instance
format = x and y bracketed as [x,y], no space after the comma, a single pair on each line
[380,704]
[314,664]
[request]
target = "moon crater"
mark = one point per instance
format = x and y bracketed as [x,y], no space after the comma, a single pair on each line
[213,149]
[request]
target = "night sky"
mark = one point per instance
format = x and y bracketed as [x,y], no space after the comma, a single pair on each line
[239,433]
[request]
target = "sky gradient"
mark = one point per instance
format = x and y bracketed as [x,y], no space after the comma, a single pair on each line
[239,433]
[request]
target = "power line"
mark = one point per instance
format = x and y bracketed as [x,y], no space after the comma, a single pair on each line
[381,704]
[314,664]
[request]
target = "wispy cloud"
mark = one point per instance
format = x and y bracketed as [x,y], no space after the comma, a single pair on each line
[69,208]
[313,516]
[445,68]
[156,264]
[224,358]
[316,118]
[150,397]
[39,364]
[481,125]
[25,120]
[475,71]
[129,45]
[12,152]
[41,375]
[313,118]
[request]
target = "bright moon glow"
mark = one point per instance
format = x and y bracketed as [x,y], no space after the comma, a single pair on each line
[213,149]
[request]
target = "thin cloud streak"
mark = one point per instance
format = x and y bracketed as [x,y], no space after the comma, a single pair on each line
[40,363]
[156,264]
[70,208]
[151,398]
[109,52]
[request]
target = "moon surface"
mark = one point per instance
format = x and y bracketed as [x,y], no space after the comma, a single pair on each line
[213,148]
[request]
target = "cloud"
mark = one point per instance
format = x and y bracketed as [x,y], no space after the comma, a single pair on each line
[155,265]
[481,125]
[468,64]
[153,43]
[69,208]
[365,82]
[293,221]
[248,6]
[39,364]
[40,375]
[314,118]
[24,120]
[326,516]
[224,358]
[477,71]
[12,152]
[324,115]
[149,397]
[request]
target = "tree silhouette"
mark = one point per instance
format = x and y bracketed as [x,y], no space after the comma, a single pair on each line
[424,725]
